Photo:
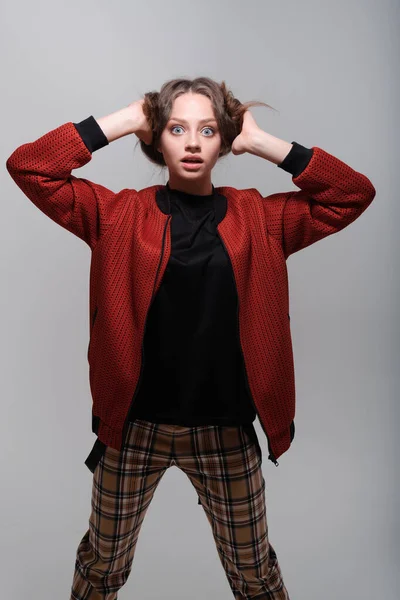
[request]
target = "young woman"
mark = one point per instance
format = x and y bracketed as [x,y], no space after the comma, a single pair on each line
[189,317]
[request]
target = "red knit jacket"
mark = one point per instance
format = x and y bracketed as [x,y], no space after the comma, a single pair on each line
[130,239]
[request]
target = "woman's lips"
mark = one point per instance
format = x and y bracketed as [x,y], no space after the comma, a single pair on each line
[191,166]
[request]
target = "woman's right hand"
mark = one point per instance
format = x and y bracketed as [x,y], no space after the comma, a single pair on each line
[142,127]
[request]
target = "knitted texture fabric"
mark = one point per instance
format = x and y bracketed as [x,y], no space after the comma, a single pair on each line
[131,243]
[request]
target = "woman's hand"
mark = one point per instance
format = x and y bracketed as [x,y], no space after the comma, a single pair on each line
[141,126]
[244,142]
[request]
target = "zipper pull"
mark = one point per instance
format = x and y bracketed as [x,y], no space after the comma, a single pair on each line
[272,458]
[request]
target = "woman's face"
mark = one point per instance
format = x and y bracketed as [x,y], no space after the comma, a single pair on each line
[191,130]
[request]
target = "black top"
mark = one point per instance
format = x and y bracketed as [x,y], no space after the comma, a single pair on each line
[193,370]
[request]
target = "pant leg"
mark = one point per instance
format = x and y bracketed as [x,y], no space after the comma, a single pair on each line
[224,465]
[123,486]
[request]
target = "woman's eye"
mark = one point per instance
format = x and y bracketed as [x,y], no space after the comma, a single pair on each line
[179,127]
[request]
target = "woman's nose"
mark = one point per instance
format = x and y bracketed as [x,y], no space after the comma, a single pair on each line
[193,144]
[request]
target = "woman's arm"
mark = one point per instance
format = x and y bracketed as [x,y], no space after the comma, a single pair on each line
[332,194]
[118,124]
[42,170]
[269,147]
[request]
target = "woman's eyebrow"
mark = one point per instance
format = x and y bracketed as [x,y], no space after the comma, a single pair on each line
[184,121]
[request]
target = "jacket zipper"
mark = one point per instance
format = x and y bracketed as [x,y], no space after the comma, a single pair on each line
[126,424]
[271,456]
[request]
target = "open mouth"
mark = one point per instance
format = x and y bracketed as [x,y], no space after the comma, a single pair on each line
[192,164]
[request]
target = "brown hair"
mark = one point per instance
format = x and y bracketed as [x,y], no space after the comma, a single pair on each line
[228,111]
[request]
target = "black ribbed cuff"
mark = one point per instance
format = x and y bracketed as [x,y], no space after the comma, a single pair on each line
[92,134]
[297,159]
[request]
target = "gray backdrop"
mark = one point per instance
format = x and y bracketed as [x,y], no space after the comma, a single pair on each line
[331,69]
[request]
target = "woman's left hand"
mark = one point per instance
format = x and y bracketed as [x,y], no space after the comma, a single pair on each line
[243,142]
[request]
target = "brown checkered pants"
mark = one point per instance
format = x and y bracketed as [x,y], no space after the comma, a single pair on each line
[223,464]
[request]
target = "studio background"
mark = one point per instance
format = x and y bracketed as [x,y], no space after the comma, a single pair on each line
[331,70]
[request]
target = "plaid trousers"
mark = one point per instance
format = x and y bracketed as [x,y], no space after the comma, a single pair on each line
[223,464]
